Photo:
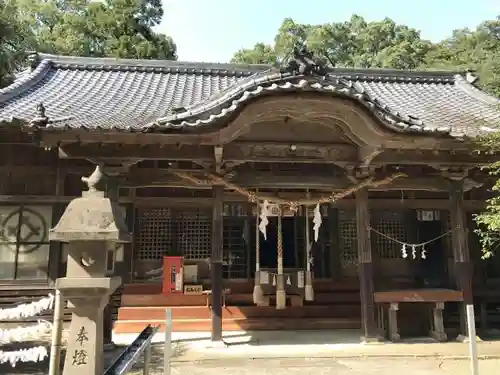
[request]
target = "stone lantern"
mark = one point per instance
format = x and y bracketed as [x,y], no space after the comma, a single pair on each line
[87,227]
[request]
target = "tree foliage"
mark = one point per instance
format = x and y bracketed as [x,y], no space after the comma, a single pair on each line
[477,50]
[112,28]
[354,43]
[14,40]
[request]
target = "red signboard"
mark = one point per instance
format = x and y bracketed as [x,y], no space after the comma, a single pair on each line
[172,275]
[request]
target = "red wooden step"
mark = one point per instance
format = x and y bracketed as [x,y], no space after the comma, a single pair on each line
[204,325]
[163,300]
[239,312]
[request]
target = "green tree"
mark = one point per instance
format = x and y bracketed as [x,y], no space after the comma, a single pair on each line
[354,43]
[114,28]
[14,41]
[260,54]
[488,221]
[477,50]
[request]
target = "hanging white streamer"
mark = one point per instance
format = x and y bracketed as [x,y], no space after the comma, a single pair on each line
[27,310]
[404,252]
[264,213]
[317,222]
[30,333]
[35,354]
[423,254]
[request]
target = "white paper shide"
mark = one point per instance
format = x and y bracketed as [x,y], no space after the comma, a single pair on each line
[24,334]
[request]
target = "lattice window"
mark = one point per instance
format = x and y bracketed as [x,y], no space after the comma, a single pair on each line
[154,235]
[347,237]
[234,209]
[392,224]
[194,239]
[236,235]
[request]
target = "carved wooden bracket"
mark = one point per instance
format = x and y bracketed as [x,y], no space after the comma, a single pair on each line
[299,152]
[367,154]
[455,173]
[218,151]
[460,173]
[356,173]
[229,166]
[116,169]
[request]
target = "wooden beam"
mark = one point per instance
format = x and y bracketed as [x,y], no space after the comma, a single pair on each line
[55,138]
[155,177]
[135,152]
[271,152]
[44,199]
[434,158]
[30,170]
[391,141]
[424,204]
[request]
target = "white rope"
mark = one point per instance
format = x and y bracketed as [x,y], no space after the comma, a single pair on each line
[415,246]
[30,333]
[35,354]
[27,310]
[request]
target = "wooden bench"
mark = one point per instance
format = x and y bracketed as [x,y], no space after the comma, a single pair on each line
[437,297]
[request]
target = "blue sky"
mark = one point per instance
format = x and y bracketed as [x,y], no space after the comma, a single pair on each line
[212,30]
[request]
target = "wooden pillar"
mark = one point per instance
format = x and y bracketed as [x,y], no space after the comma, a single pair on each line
[365,267]
[335,254]
[216,263]
[459,241]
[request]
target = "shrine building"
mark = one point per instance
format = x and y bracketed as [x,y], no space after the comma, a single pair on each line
[258,197]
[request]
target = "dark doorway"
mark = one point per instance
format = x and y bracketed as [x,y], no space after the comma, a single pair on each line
[432,269]
[268,247]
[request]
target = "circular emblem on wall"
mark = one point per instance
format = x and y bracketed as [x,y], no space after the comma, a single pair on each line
[29,225]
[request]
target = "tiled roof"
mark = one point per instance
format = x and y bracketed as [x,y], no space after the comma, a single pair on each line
[138,95]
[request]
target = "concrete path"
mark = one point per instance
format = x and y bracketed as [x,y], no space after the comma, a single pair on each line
[310,344]
[309,366]
[281,353]
[304,352]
